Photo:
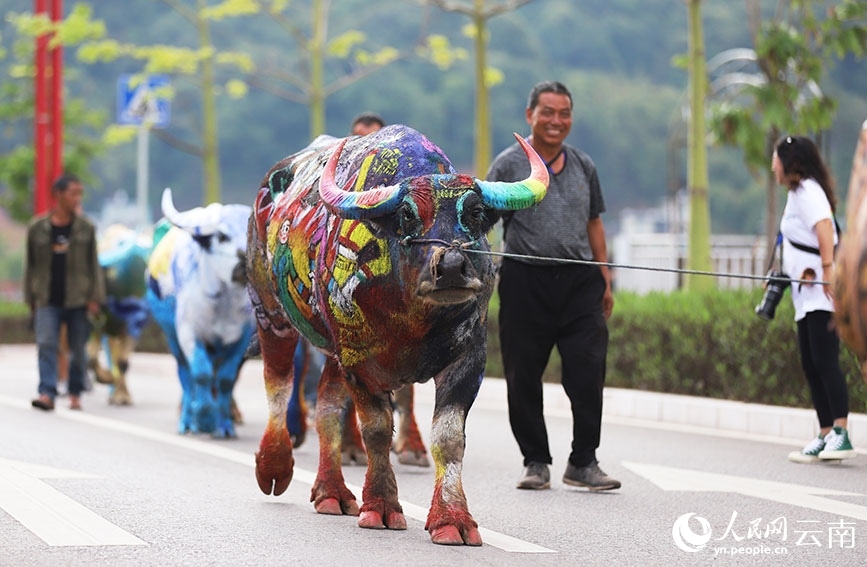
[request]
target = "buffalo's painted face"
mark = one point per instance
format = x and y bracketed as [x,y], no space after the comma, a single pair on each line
[227,247]
[439,219]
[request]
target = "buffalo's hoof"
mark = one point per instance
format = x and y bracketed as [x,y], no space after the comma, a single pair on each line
[120,400]
[274,462]
[274,479]
[237,416]
[103,379]
[353,455]
[204,421]
[413,458]
[451,535]
[334,507]
[372,519]
[224,432]
[275,486]
[298,440]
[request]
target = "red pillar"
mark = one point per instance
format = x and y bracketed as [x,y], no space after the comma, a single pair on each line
[48,110]
[57,98]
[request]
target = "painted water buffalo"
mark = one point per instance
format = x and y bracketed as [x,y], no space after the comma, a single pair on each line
[123,255]
[850,277]
[373,249]
[197,293]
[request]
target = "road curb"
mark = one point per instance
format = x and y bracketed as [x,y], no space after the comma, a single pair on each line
[785,424]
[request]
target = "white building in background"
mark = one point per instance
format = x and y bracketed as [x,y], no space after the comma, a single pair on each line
[654,241]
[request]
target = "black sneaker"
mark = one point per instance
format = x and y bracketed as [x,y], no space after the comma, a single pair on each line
[536,477]
[590,476]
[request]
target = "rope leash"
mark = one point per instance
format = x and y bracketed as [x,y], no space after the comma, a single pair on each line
[464,247]
[645,268]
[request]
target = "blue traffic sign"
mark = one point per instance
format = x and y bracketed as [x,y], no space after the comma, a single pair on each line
[141,101]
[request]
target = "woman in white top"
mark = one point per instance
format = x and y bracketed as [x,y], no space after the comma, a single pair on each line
[809,239]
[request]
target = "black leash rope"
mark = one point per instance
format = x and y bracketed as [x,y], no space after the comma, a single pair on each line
[466,247]
[645,268]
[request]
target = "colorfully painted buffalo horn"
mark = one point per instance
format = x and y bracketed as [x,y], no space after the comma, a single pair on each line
[356,205]
[198,221]
[519,194]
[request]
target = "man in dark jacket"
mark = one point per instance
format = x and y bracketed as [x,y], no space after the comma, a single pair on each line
[63,282]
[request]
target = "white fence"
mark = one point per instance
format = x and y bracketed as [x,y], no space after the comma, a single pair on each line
[647,254]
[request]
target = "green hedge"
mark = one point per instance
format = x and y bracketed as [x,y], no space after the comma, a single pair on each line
[703,344]
[698,344]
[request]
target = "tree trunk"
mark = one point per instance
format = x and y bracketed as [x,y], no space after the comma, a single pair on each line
[483,126]
[698,255]
[317,77]
[212,191]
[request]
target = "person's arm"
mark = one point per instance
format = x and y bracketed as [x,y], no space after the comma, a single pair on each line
[825,233]
[28,272]
[596,236]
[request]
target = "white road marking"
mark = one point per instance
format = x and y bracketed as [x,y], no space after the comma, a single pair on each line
[54,517]
[673,479]
[490,537]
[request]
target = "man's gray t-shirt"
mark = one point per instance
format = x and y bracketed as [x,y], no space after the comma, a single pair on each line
[557,226]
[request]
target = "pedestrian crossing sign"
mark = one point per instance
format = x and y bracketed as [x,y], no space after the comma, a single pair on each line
[143,100]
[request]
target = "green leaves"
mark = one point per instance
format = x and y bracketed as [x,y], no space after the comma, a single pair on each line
[439,51]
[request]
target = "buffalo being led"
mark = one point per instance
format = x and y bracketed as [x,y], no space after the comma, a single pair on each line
[374,249]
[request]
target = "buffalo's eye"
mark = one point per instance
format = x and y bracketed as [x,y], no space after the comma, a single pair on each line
[410,223]
[222,237]
[473,214]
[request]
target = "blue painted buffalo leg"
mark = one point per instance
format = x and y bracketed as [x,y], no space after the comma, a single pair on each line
[227,375]
[163,311]
[203,405]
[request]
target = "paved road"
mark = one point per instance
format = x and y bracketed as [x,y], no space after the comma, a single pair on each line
[117,486]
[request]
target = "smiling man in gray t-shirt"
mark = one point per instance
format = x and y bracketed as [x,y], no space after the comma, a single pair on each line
[546,303]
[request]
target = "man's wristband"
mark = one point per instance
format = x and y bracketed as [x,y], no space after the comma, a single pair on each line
[827,264]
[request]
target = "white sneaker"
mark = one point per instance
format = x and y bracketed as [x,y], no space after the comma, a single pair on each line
[810,452]
[837,445]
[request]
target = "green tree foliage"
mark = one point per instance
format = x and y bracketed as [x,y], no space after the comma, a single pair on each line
[326,63]
[197,65]
[82,124]
[792,50]
[615,55]
[479,12]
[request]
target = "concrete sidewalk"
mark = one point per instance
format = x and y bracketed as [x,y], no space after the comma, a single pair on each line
[775,424]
